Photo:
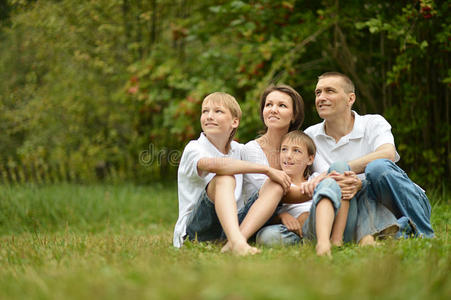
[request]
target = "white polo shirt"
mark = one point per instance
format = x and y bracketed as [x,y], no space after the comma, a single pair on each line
[369,133]
[191,184]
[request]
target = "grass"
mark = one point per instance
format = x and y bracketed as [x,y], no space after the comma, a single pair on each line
[114,242]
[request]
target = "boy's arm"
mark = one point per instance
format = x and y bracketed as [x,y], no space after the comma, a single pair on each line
[230,166]
[295,195]
[304,192]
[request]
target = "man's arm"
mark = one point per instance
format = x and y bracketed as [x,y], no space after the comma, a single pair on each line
[230,166]
[387,151]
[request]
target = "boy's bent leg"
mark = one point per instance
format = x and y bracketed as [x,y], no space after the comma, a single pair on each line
[221,190]
[326,203]
[276,235]
[262,209]
[391,186]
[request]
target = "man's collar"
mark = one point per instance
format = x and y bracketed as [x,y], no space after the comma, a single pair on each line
[356,132]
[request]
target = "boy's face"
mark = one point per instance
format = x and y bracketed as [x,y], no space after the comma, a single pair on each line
[294,157]
[331,99]
[216,120]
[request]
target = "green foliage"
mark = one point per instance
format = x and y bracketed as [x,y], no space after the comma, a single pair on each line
[90,88]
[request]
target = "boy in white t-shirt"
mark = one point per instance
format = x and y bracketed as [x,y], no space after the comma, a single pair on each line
[318,221]
[210,180]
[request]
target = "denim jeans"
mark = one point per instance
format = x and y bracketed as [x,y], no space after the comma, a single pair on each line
[204,225]
[279,235]
[390,186]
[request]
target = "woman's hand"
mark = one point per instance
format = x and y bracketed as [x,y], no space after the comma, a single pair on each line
[280,177]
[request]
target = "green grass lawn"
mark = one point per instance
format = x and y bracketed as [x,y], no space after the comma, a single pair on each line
[114,242]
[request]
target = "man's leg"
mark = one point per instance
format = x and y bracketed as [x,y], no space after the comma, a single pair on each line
[391,186]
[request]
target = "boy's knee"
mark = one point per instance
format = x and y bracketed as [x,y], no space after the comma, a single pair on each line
[269,236]
[328,188]
[339,166]
[223,180]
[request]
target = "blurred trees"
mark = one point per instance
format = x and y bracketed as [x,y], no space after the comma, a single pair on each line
[112,88]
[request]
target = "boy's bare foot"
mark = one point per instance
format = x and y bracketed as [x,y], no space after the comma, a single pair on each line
[240,249]
[323,249]
[338,243]
[368,240]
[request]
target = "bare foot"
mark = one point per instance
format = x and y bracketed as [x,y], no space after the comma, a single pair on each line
[240,249]
[337,243]
[368,240]
[226,247]
[323,249]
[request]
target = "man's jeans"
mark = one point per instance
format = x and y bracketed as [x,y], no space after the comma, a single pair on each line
[391,186]
[388,199]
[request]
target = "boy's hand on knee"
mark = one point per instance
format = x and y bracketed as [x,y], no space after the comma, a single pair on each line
[290,222]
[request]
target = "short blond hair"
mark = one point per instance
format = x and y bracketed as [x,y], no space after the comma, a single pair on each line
[229,102]
[300,138]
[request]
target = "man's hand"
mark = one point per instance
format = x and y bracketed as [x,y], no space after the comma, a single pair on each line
[349,183]
[281,178]
[290,222]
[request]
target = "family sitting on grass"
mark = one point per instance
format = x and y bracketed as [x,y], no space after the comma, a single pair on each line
[337,182]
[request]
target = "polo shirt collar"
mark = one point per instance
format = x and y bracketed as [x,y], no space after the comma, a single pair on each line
[203,140]
[357,132]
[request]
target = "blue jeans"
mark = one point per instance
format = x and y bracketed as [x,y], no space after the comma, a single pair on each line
[279,235]
[390,186]
[204,225]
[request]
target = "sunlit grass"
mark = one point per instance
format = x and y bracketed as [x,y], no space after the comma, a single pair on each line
[121,248]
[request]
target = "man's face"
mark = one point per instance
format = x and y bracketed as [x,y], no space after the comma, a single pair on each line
[332,101]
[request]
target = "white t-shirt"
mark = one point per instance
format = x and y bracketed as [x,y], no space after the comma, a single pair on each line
[191,184]
[296,209]
[252,182]
[369,133]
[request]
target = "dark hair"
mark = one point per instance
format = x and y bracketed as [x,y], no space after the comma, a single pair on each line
[348,85]
[299,137]
[298,104]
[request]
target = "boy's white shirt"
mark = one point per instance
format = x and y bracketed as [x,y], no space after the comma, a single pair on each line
[296,209]
[191,184]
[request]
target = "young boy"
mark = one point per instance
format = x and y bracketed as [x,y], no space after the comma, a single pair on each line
[210,180]
[297,152]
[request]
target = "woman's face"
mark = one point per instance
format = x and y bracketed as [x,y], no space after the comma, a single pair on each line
[278,110]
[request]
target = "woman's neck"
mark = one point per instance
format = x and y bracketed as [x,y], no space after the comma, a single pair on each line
[270,143]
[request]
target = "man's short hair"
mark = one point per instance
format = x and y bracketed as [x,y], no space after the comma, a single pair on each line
[348,85]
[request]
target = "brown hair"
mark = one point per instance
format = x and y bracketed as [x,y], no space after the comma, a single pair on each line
[231,104]
[298,104]
[299,137]
[348,85]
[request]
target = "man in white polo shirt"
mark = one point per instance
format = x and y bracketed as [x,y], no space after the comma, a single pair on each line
[367,145]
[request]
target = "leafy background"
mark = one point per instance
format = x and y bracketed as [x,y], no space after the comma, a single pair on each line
[109,90]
